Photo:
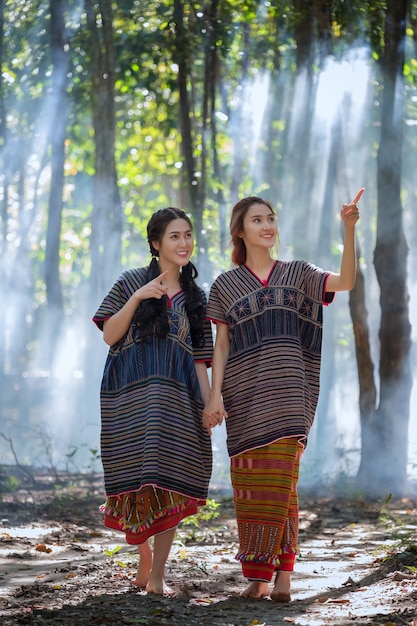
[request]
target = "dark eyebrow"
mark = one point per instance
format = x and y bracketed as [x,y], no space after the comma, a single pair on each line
[177,232]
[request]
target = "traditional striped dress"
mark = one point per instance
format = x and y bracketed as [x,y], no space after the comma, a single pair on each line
[156,455]
[270,392]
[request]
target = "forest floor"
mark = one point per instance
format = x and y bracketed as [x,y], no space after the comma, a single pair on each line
[59,565]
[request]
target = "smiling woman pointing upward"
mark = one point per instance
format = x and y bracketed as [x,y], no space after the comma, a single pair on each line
[265,381]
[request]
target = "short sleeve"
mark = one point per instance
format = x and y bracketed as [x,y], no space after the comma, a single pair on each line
[111,304]
[328,295]
[119,294]
[215,311]
[315,284]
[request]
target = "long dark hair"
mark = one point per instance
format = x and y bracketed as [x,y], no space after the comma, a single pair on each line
[151,317]
[236,226]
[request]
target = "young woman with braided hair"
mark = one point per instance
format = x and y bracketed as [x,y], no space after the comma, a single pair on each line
[155,449]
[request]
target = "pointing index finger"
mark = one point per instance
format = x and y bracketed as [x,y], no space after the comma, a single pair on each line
[358,195]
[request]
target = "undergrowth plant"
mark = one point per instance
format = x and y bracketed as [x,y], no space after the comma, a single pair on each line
[402,534]
[192,527]
[206,513]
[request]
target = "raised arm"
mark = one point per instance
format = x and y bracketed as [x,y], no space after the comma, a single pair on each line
[345,280]
[116,326]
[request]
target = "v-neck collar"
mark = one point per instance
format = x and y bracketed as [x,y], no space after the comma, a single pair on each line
[170,299]
[263,282]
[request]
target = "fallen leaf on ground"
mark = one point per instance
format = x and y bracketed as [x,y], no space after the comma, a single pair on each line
[41,547]
[205,601]
[338,601]
[322,599]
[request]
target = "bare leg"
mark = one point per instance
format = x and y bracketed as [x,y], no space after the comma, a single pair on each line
[161,548]
[281,592]
[145,565]
[257,589]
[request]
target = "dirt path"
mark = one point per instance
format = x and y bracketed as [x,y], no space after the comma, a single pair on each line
[58,565]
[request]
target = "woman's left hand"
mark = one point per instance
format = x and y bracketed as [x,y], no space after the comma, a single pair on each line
[350,212]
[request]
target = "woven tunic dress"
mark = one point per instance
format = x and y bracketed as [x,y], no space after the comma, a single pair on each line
[270,393]
[156,455]
[272,376]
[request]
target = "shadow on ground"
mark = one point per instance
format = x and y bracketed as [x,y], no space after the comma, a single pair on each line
[60,566]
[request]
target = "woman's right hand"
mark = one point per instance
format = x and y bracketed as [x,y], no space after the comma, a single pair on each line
[154,289]
[117,325]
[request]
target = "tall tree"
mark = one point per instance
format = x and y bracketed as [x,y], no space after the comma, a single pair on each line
[182,57]
[58,119]
[209,125]
[307,18]
[107,210]
[3,203]
[385,430]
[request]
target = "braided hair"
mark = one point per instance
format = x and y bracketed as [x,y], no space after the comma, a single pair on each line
[151,317]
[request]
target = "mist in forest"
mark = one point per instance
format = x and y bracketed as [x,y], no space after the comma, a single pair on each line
[66,431]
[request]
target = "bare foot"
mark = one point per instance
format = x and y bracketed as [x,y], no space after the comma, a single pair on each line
[257,589]
[142,577]
[144,567]
[158,587]
[281,592]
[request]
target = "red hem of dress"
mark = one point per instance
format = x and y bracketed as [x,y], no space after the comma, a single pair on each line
[264,571]
[258,571]
[157,526]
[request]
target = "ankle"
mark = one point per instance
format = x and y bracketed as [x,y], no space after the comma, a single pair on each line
[283,580]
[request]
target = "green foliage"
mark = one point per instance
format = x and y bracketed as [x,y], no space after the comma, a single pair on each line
[402,533]
[206,513]
[249,38]
[8,482]
[112,551]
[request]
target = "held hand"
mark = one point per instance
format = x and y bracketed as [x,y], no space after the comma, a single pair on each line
[213,415]
[153,289]
[350,212]
[208,422]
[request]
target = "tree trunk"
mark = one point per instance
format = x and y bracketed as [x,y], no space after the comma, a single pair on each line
[299,135]
[390,260]
[323,14]
[323,258]
[57,137]
[367,386]
[181,57]
[107,211]
[3,203]
[209,128]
